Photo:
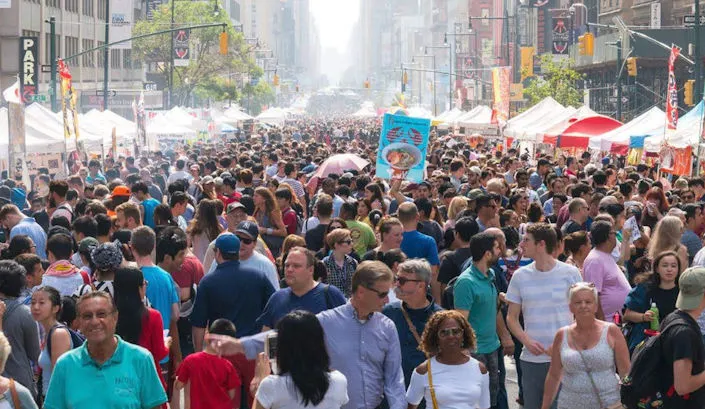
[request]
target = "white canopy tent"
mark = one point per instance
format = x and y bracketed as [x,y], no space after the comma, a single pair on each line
[365,112]
[274,116]
[37,139]
[449,116]
[181,117]
[544,109]
[642,124]
[687,132]
[419,112]
[160,127]
[534,131]
[42,118]
[480,115]
[561,122]
[234,114]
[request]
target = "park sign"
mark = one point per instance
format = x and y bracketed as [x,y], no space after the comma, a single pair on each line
[29,68]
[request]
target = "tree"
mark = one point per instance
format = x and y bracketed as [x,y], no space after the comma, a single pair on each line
[208,71]
[558,80]
[254,97]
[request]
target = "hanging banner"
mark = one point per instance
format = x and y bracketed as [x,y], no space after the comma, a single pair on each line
[181,48]
[16,130]
[29,73]
[672,95]
[561,34]
[140,120]
[500,93]
[402,147]
[68,103]
[121,21]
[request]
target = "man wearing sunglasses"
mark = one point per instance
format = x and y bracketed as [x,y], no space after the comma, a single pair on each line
[415,308]
[248,232]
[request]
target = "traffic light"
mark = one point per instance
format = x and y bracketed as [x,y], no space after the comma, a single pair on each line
[223,43]
[688,93]
[589,43]
[631,66]
[527,62]
[275,80]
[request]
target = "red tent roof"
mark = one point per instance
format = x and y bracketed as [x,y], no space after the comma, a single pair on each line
[578,132]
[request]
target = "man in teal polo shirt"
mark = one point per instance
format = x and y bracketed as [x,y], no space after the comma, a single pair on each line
[105,372]
[475,296]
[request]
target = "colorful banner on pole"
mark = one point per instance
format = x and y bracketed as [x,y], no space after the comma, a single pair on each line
[68,103]
[181,48]
[500,90]
[140,121]
[29,73]
[672,99]
[402,147]
[561,34]
[121,21]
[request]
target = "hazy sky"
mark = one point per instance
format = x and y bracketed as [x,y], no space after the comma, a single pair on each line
[335,20]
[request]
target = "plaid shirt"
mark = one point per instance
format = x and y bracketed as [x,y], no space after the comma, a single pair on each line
[341,277]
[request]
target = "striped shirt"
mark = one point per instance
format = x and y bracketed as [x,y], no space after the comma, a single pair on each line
[543,296]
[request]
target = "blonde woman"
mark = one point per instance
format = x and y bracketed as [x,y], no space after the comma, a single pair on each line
[456,206]
[269,218]
[583,357]
[667,237]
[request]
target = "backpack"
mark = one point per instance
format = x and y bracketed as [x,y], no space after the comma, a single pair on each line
[77,339]
[447,298]
[299,222]
[642,387]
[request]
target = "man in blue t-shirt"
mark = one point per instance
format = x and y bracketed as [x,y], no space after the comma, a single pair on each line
[418,245]
[162,291]
[302,293]
[231,291]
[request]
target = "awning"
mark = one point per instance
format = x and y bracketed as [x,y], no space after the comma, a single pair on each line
[578,133]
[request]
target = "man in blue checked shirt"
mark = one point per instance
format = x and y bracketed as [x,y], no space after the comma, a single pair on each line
[362,342]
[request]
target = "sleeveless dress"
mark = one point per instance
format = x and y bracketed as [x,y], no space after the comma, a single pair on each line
[273,242]
[576,389]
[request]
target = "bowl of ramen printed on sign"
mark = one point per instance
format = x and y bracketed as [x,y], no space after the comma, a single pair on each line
[401,157]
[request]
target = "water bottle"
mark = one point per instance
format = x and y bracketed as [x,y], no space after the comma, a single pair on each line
[654,320]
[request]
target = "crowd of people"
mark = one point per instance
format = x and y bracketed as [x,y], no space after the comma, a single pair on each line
[236,276]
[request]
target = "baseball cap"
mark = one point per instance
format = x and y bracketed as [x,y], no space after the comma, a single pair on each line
[248,228]
[535,181]
[121,191]
[691,288]
[207,179]
[475,169]
[228,243]
[87,245]
[194,167]
[5,194]
[234,205]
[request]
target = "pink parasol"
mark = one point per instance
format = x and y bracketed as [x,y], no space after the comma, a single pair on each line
[339,164]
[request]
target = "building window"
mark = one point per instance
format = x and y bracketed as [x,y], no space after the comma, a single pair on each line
[101,10]
[88,59]
[115,59]
[71,5]
[57,44]
[88,8]
[30,33]
[53,3]
[71,45]
[127,58]
[101,54]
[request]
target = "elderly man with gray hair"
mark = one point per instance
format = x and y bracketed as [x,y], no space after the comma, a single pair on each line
[411,313]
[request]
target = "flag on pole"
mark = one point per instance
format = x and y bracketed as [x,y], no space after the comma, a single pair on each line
[12,93]
[672,99]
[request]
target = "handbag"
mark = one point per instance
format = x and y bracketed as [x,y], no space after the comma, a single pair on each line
[617,405]
[430,384]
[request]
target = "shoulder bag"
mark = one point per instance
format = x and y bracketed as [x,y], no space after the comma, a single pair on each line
[415,333]
[617,405]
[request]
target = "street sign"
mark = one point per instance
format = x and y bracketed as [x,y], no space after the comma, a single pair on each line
[46,68]
[150,86]
[689,21]
[38,98]
[111,92]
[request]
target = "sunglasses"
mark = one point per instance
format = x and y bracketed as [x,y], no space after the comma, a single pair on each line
[348,241]
[245,240]
[380,294]
[450,332]
[404,280]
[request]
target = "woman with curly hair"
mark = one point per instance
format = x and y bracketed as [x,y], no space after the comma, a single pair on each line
[465,381]
[269,218]
[204,228]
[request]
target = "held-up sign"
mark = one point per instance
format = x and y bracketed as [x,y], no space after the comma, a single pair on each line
[29,71]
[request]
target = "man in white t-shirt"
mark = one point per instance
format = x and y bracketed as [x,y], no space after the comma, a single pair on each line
[248,232]
[539,291]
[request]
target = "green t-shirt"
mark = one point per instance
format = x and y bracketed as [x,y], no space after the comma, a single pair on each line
[476,293]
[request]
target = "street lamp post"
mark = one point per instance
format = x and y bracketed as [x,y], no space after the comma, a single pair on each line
[450,68]
[445,41]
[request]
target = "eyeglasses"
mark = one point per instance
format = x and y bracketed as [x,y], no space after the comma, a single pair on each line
[404,280]
[245,240]
[688,197]
[583,284]
[101,315]
[450,332]
[348,241]
[380,294]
